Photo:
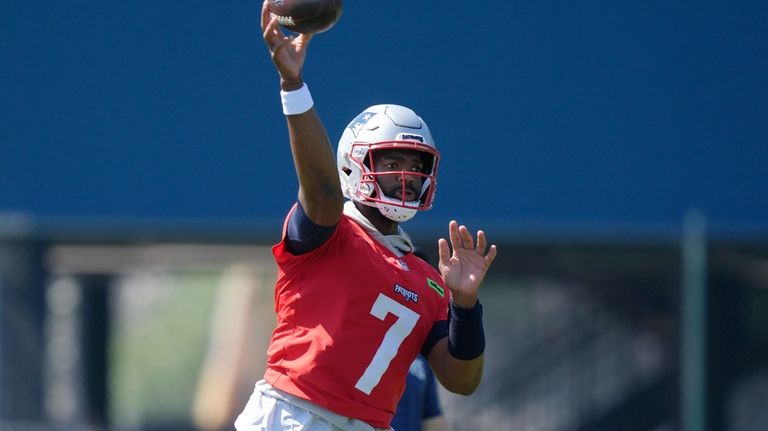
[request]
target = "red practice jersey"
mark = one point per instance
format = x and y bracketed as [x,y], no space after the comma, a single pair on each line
[351,317]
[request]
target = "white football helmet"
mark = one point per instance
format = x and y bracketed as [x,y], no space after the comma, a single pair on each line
[386,127]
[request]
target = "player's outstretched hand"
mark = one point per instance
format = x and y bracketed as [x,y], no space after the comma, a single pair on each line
[288,52]
[464,268]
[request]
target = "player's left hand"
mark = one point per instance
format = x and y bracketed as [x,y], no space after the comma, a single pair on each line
[464,268]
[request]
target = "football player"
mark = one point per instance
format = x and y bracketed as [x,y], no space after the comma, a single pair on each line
[419,409]
[354,305]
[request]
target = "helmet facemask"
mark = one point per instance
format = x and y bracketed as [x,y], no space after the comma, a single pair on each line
[402,198]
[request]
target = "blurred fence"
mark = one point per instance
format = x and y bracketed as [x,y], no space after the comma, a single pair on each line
[22,313]
[581,335]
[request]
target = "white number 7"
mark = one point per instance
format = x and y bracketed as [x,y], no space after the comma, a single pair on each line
[406,320]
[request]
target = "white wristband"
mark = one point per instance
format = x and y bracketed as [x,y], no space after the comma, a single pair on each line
[297,101]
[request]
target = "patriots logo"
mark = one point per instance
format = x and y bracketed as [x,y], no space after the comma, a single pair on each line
[359,121]
[407,294]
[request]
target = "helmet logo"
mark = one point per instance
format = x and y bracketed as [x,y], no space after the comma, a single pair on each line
[359,121]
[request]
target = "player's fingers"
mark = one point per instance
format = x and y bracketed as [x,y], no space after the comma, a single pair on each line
[264,15]
[304,39]
[276,40]
[453,233]
[444,254]
[481,242]
[271,33]
[490,256]
[466,238]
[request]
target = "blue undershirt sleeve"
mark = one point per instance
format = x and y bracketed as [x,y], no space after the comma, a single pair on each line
[438,332]
[303,235]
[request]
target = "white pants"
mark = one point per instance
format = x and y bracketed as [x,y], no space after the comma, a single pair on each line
[271,409]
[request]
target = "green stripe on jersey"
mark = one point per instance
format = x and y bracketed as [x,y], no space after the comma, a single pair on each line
[436,287]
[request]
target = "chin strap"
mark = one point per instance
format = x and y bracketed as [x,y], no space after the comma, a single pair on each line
[399,243]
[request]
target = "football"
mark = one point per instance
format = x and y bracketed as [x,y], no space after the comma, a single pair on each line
[306,16]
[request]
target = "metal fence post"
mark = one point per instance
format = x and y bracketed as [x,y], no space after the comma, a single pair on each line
[693,325]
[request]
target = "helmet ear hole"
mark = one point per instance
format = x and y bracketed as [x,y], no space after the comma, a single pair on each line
[346,171]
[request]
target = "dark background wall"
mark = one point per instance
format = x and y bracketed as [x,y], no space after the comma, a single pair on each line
[549,115]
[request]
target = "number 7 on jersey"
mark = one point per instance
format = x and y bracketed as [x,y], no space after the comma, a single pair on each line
[406,321]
